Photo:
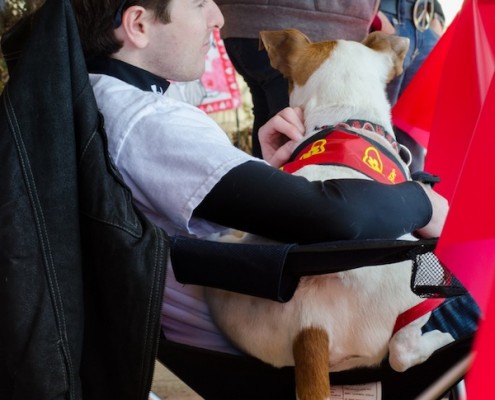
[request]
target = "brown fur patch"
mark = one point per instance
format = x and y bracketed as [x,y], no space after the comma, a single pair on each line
[396,45]
[310,60]
[293,54]
[311,356]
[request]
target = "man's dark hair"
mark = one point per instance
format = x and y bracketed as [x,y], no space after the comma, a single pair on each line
[96,20]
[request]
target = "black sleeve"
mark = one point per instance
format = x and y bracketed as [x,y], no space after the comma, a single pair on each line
[257,198]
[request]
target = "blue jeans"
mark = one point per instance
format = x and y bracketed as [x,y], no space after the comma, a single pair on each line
[269,89]
[421,44]
[457,315]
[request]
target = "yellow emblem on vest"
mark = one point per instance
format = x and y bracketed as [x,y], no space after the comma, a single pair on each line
[372,159]
[393,174]
[318,147]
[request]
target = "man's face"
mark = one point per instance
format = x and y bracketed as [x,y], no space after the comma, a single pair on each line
[177,50]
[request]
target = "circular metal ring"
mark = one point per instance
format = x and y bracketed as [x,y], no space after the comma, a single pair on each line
[423,13]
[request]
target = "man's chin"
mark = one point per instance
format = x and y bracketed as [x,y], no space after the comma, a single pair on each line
[194,75]
[188,75]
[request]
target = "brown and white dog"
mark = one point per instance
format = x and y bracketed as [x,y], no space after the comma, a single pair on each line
[344,320]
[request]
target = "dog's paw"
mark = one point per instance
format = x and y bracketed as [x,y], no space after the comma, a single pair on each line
[409,347]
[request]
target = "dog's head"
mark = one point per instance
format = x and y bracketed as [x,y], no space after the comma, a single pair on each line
[337,80]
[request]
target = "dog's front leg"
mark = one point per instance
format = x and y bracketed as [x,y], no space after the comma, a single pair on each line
[409,346]
[311,357]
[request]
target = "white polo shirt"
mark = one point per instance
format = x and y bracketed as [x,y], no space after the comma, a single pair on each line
[170,154]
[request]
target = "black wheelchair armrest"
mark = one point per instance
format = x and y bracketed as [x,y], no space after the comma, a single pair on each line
[273,270]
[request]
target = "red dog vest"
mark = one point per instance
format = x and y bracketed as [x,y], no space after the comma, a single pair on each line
[337,145]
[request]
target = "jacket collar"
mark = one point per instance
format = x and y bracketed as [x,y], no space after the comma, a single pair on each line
[128,73]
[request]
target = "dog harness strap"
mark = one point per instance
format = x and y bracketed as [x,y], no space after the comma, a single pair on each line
[415,312]
[339,147]
[351,124]
[378,129]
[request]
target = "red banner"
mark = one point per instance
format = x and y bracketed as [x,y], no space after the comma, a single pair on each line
[449,109]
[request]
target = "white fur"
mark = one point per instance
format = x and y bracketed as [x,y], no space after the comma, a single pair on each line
[358,308]
[365,100]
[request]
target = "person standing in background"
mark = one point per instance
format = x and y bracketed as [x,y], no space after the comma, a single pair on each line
[323,21]
[423,22]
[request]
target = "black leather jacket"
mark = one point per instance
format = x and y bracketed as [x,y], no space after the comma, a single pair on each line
[81,271]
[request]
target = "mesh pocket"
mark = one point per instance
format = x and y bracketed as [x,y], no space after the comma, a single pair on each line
[430,278]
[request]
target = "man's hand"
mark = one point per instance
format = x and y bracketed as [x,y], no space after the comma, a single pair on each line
[440,207]
[280,135]
[386,25]
[437,26]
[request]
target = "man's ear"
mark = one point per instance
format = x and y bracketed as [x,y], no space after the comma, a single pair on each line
[134,28]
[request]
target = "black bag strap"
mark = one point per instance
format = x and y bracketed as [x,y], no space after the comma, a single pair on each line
[273,270]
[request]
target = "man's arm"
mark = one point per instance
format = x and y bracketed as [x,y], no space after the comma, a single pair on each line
[257,198]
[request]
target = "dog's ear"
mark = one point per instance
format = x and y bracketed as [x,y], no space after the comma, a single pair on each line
[397,46]
[283,48]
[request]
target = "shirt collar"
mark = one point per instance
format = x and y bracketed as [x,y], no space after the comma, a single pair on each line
[128,73]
